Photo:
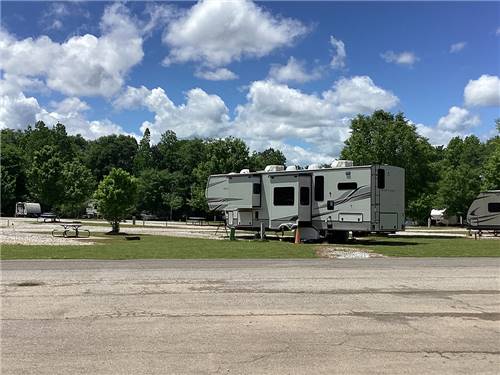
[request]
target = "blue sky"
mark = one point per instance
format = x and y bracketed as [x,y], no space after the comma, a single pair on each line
[288,75]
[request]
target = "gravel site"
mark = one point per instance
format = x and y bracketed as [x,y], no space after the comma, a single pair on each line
[24,231]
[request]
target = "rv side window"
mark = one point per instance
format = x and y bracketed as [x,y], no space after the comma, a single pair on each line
[347,186]
[494,207]
[319,188]
[304,196]
[284,196]
[256,188]
[381,178]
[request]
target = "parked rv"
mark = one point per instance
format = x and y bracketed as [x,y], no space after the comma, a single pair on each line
[441,217]
[484,212]
[28,209]
[91,211]
[322,202]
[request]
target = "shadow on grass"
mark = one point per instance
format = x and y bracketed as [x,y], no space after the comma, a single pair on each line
[377,242]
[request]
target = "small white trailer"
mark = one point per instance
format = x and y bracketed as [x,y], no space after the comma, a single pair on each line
[484,212]
[28,209]
[441,217]
[323,202]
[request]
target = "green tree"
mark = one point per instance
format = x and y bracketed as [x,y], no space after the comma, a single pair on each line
[270,156]
[45,177]
[458,187]
[165,152]
[384,138]
[460,174]
[112,151]
[116,196]
[154,184]
[13,170]
[79,185]
[144,158]
[173,201]
[491,169]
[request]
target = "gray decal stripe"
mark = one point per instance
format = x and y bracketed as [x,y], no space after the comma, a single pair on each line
[480,217]
[345,196]
[286,218]
[484,220]
[223,199]
[355,198]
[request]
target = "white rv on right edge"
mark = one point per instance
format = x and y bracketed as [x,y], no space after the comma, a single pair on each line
[322,202]
[484,212]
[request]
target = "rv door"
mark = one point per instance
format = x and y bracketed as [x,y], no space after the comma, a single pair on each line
[305,206]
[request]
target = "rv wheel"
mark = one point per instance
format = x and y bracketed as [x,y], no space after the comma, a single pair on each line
[337,236]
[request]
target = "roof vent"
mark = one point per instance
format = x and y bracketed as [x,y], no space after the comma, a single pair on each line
[291,168]
[274,168]
[314,166]
[245,171]
[342,163]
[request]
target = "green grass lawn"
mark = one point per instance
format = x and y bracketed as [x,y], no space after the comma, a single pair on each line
[430,247]
[163,247]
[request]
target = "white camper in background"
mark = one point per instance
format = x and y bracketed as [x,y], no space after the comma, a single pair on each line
[28,209]
[323,202]
[440,217]
[484,212]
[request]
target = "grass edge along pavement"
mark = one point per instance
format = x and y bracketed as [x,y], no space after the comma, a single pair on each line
[166,247]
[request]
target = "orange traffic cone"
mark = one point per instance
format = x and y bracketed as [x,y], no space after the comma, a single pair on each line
[297,235]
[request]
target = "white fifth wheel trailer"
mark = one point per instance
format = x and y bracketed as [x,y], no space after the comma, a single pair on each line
[28,209]
[323,202]
[484,212]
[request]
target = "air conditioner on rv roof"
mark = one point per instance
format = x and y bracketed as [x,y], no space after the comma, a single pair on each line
[342,163]
[274,168]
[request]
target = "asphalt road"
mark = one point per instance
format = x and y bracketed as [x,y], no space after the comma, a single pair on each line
[412,316]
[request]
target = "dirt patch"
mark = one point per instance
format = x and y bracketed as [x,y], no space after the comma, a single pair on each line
[346,253]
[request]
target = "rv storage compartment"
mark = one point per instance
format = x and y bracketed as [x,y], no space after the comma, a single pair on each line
[388,221]
[351,217]
[245,218]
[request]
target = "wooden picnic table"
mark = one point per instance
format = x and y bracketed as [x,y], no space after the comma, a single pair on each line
[49,216]
[197,219]
[72,227]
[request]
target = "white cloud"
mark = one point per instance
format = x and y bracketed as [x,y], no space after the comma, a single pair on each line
[70,113]
[484,91]
[17,112]
[401,58]
[458,119]
[203,115]
[457,47]
[457,123]
[339,54]
[277,113]
[220,74]
[293,71]
[83,65]
[437,137]
[217,33]
[497,32]
[307,127]
[360,95]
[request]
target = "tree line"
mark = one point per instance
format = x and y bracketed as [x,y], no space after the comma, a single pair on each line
[63,172]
